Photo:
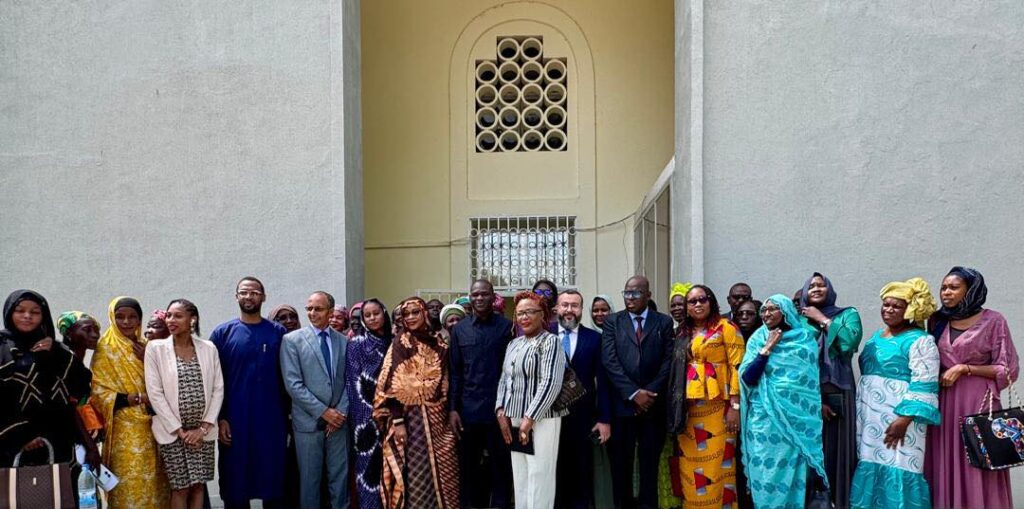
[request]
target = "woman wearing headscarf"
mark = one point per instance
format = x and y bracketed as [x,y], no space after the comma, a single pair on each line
[339,319]
[156,327]
[451,314]
[362,369]
[839,332]
[355,322]
[420,468]
[977,356]
[781,408]
[670,492]
[38,379]
[285,315]
[80,332]
[897,398]
[600,308]
[119,393]
[705,403]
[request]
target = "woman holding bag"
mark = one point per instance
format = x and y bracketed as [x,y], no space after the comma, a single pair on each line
[978,357]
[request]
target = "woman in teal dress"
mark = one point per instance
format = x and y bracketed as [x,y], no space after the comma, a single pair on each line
[897,398]
[780,414]
[839,332]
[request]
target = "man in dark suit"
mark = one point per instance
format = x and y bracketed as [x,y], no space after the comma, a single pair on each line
[591,415]
[637,356]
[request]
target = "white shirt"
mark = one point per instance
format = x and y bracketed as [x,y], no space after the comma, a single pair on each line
[573,338]
[330,345]
[643,315]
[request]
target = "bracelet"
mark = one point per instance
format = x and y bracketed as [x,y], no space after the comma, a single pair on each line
[968,369]
[398,421]
[826,323]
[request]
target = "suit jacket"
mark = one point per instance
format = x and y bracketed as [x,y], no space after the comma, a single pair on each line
[595,405]
[305,377]
[161,372]
[631,367]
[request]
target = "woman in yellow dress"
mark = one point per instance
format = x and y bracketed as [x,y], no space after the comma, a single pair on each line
[119,393]
[715,348]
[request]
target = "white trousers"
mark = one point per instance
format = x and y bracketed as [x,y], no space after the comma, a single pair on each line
[533,475]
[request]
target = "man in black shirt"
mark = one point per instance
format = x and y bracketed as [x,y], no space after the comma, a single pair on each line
[477,348]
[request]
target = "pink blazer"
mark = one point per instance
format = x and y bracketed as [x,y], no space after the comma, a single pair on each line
[162,386]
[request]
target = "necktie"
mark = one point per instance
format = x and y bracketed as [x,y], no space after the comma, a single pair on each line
[639,328]
[566,344]
[326,350]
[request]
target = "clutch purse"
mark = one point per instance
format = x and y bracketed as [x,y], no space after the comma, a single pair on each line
[994,440]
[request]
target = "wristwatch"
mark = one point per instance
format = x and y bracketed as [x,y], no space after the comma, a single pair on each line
[735,406]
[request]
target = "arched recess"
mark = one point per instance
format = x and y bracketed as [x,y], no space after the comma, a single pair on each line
[518,183]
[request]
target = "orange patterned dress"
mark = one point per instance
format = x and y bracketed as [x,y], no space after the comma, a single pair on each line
[708,463]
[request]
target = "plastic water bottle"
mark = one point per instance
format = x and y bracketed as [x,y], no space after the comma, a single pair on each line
[86,489]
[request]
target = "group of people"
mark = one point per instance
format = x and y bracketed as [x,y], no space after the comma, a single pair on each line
[455,406]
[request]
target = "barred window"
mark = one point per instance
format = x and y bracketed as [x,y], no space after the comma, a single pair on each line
[514,252]
[520,98]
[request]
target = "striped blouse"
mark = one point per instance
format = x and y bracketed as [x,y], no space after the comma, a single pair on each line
[531,377]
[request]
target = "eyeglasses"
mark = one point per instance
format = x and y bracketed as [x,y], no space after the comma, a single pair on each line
[768,311]
[703,299]
[411,311]
[245,293]
[632,294]
[526,313]
[543,292]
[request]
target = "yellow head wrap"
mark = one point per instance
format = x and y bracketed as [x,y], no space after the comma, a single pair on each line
[916,293]
[679,289]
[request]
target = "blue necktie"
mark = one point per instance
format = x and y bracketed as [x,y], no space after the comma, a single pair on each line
[566,345]
[326,350]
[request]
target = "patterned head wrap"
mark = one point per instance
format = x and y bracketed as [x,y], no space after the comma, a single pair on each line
[412,303]
[342,309]
[452,309]
[69,318]
[678,289]
[916,293]
[977,292]
[161,314]
[462,301]
[499,304]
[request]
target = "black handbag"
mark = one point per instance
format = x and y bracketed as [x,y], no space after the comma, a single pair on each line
[994,440]
[572,389]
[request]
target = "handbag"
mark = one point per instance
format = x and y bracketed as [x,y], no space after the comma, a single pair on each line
[572,389]
[995,440]
[39,486]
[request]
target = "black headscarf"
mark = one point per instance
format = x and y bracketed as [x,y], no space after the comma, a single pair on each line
[25,340]
[128,302]
[827,308]
[972,304]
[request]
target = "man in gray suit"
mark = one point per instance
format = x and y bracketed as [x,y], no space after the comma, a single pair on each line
[313,367]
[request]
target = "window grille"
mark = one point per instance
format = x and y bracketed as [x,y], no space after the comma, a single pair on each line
[514,252]
[521,99]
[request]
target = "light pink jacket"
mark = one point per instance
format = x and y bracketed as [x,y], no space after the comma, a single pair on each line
[162,386]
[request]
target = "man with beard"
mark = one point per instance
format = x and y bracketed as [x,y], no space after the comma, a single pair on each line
[253,418]
[434,307]
[589,418]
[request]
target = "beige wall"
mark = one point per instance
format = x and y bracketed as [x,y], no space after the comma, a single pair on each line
[414,216]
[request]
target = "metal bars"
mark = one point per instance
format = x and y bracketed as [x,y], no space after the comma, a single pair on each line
[514,252]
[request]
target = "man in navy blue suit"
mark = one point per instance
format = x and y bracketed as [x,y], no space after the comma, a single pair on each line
[590,416]
[636,347]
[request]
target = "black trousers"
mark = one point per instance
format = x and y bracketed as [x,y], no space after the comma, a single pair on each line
[638,438]
[574,486]
[477,474]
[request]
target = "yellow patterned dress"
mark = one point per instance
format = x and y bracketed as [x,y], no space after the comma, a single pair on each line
[130,450]
[708,464]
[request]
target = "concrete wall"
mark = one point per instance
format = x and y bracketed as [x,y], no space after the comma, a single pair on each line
[411,237]
[866,140]
[165,149]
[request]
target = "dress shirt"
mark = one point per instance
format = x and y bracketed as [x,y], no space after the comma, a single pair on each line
[330,345]
[477,350]
[633,317]
[573,339]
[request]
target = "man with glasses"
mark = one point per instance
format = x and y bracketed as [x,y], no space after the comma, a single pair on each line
[738,294]
[637,356]
[589,419]
[253,419]
[313,368]
[477,350]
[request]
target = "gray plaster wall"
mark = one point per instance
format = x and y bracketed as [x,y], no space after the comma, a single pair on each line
[871,141]
[165,149]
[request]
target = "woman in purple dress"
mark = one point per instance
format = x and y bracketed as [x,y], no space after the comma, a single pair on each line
[362,367]
[977,356]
